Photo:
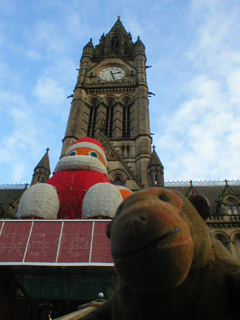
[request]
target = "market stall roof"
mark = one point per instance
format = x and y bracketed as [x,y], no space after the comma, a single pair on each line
[54,243]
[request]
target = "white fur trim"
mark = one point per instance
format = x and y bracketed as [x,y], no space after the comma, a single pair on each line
[102,200]
[41,201]
[89,145]
[80,163]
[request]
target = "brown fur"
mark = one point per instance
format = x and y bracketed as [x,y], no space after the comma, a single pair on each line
[168,263]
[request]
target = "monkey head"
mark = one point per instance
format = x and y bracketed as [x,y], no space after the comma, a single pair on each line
[157,236]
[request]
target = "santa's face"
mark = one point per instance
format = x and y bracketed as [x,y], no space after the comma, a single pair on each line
[86,152]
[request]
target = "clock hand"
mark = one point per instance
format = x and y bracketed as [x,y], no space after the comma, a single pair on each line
[116,72]
[112,75]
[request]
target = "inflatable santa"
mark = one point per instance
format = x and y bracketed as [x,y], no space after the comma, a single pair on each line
[79,188]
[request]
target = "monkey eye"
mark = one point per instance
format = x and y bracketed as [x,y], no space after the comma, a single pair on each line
[164,198]
[119,209]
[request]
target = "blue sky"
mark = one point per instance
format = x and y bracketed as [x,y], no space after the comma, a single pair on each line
[193,47]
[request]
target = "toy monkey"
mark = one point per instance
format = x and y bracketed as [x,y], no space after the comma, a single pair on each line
[169,264]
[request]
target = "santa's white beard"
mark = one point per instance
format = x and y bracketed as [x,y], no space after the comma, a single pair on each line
[79,162]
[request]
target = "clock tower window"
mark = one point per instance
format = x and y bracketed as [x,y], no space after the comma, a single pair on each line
[109,121]
[126,122]
[92,122]
[114,44]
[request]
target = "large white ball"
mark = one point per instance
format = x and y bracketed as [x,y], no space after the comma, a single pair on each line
[101,200]
[40,201]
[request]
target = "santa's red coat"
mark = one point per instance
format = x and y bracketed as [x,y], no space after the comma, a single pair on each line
[71,188]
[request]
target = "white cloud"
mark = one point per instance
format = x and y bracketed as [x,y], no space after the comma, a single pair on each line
[33,55]
[46,37]
[19,135]
[49,92]
[134,26]
[195,53]
[55,85]
[233,81]
[201,138]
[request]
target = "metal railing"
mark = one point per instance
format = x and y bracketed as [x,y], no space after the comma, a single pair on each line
[14,186]
[199,183]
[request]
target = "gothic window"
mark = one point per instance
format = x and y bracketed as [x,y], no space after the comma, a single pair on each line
[123,149]
[109,103]
[118,177]
[229,206]
[118,181]
[109,121]
[232,206]
[128,150]
[92,122]
[155,182]
[223,240]
[89,122]
[115,44]
[126,122]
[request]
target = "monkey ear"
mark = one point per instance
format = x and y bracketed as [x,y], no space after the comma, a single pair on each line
[108,230]
[202,205]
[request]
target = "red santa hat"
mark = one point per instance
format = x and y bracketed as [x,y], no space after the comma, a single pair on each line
[90,144]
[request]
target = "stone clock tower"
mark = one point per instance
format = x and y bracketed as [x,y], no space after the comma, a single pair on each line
[110,103]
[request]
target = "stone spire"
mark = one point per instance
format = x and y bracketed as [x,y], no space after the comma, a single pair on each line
[88,50]
[118,27]
[139,47]
[117,42]
[42,171]
[155,171]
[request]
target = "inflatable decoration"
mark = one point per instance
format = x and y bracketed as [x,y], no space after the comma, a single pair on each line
[98,204]
[84,166]
[169,264]
[125,192]
[39,201]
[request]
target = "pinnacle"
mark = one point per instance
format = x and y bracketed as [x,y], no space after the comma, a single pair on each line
[44,162]
[154,160]
[118,26]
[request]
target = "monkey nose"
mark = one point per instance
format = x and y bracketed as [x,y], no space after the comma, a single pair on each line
[136,222]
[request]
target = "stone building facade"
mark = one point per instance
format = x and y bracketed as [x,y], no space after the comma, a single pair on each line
[110,103]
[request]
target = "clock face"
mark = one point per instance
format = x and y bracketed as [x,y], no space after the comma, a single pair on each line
[111,74]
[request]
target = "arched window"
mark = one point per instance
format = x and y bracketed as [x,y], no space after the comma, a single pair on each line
[223,239]
[92,122]
[232,206]
[128,150]
[118,182]
[118,177]
[115,44]
[123,149]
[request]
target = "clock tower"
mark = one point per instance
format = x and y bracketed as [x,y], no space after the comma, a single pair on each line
[110,104]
